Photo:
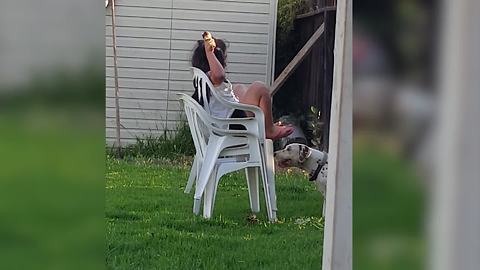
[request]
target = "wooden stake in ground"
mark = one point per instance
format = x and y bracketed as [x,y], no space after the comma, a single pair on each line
[115,68]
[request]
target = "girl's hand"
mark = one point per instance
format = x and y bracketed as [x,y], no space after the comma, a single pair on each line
[209,42]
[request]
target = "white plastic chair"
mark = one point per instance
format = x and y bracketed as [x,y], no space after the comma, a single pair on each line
[220,150]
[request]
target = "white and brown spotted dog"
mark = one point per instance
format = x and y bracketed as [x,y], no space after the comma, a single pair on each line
[313,161]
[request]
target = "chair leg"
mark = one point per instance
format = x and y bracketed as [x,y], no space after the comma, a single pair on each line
[266,191]
[266,174]
[273,195]
[196,206]
[252,182]
[209,196]
[213,150]
[270,163]
[217,180]
[192,177]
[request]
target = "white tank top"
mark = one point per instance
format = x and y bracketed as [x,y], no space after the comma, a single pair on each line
[217,109]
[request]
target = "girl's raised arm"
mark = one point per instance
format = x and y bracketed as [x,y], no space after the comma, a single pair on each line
[217,73]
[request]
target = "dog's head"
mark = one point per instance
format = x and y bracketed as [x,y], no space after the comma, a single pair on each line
[293,155]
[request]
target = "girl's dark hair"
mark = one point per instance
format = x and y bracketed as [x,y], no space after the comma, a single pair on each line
[199,57]
[199,60]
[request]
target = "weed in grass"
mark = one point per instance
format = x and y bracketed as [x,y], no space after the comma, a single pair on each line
[252,219]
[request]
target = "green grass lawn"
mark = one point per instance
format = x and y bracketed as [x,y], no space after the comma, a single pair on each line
[150,224]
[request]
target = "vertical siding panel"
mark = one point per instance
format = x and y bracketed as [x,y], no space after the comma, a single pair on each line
[143,34]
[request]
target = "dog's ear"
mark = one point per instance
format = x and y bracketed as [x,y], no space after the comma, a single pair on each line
[304,153]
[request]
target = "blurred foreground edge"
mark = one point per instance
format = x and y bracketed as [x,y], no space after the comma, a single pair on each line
[455,221]
[337,243]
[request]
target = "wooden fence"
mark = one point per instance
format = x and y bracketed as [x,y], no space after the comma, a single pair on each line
[311,83]
[314,75]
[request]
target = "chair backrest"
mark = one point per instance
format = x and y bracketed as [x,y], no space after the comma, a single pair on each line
[203,87]
[198,121]
[202,83]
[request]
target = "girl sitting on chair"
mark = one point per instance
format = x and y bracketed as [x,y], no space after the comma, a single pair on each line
[210,56]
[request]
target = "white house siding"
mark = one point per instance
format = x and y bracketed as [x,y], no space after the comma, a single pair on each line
[154,44]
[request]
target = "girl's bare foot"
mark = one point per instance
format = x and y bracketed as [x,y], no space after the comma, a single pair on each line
[280,124]
[278,132]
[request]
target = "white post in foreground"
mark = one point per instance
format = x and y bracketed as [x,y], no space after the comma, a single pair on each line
[454,234]
[337,243]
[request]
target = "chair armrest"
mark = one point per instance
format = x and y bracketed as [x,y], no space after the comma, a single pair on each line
[233,120]
[255,125]
[232,132]
[259,116]
[244,107]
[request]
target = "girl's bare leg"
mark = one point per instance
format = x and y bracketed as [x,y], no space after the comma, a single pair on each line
[257,94]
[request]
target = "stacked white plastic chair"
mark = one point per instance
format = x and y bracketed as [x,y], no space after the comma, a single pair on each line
[220,150]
